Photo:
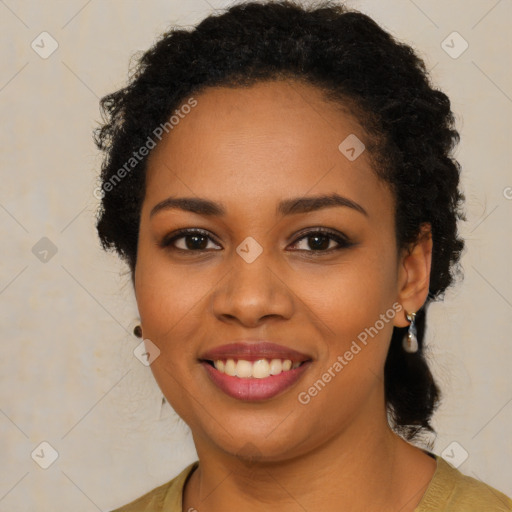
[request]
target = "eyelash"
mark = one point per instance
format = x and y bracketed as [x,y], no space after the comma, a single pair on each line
[342,241]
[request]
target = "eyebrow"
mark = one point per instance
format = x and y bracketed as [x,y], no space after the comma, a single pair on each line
[286,207]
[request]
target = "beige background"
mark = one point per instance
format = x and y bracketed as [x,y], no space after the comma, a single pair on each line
[68,374]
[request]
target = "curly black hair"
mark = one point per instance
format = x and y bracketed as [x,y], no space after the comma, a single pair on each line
[354,62]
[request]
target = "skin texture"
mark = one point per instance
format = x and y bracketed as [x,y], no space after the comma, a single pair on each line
[250,148]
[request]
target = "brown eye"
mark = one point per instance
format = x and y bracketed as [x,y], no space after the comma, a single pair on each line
[321,240]
[193,242]
[189,240]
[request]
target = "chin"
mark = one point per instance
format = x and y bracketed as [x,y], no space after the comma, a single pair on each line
[250,439]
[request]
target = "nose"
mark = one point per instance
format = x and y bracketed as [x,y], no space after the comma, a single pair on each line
[252,293]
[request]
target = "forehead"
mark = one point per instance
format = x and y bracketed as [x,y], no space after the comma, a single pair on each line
[271,139]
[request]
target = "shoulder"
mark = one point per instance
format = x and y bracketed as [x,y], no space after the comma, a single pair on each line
[166,497]
[450,490]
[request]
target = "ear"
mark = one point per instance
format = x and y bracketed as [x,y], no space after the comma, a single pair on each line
[414,274]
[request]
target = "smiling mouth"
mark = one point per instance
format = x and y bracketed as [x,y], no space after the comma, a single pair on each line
[257,369]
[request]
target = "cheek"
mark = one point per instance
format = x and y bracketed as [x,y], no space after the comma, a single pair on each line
[355,304]
[347,296]
[351,295]
[170,299]
[167,294]
[335,303]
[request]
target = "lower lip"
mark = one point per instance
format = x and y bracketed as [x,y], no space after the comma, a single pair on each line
[252,389]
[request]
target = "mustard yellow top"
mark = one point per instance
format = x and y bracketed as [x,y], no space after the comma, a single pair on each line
[448,491]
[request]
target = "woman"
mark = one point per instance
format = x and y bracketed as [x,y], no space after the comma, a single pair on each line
[280,181]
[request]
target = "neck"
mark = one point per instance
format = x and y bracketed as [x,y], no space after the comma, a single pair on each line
[366,467]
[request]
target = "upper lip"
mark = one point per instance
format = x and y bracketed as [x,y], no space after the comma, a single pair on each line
[252,350]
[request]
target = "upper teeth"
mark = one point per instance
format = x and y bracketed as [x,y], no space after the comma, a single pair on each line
[259,369]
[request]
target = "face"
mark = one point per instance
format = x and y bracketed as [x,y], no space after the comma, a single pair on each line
[265,271]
